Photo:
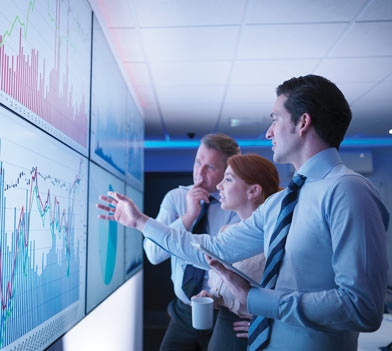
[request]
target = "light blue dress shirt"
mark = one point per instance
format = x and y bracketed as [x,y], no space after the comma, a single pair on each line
[172,208]
[333,278]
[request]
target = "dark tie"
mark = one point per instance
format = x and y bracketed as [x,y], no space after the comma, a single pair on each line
[193,277]
[260,327]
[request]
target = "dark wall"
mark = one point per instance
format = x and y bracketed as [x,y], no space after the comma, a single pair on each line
[158,288]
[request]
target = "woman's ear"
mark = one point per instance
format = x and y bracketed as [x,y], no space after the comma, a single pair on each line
[255,190]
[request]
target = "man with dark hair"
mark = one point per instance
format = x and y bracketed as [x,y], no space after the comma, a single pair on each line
[331,114]
[180,208]
[324,236]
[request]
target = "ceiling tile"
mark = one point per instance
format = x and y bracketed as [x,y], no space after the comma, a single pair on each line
[302,11]
[372,112]
[249,102]
[365,39]
[270,72]
[190,73]
[378,96]
[183,52]
[355,69]
[294,41]
[195,43]
[169,13]
[251,106]
[377,10]
[353,91]
[198,105]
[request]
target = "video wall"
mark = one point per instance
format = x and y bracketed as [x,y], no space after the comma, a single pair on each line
[68,134]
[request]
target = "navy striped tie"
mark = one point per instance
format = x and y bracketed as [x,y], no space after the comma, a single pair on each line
[193,277]
[260,327]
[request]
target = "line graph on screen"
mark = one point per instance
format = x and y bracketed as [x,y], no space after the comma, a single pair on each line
[43,215]
[45,65]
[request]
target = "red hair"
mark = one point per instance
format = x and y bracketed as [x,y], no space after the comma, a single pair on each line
[255,169]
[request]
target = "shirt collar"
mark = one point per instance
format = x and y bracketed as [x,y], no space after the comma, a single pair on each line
[319,165]
[215,195]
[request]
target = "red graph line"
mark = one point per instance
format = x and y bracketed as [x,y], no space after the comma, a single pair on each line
[59,220]
[24,76]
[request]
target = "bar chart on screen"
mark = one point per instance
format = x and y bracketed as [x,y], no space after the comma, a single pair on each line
[43,217]
[40,44]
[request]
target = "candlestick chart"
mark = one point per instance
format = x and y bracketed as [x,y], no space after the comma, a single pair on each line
[43,228]
[45,57]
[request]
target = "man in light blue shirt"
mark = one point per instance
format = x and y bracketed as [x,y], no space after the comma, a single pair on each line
[333,277]
[180,209]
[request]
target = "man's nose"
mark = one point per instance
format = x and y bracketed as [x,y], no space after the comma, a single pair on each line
[269,133]
[202,171]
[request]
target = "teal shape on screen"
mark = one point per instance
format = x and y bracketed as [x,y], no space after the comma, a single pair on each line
[108,247]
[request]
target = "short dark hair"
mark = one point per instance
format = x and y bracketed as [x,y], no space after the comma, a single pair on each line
[322,99]
[221,142]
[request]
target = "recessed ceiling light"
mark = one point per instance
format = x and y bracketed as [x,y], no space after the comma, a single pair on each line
[236,122]
[390,131]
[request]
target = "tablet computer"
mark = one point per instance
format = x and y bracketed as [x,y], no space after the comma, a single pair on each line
[226,264]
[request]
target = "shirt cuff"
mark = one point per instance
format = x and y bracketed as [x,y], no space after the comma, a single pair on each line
[154,229]
[263,302]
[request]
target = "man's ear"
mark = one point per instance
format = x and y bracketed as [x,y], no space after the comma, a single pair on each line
[304,122]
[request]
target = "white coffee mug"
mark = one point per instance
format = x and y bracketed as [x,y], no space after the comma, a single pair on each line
[202,312]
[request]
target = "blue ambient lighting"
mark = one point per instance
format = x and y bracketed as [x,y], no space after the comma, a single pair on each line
[193,144]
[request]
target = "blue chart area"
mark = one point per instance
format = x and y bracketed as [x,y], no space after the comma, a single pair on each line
[135,163]
[109,130]
[117,128]
[43,216]
[105,272]
[108,239]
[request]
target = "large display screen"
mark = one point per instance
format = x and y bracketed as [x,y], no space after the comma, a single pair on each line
[58,261]
[105,259]
[117,128]
[43,212]
[45,59]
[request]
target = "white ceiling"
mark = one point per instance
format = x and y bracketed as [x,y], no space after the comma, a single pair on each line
[196,64]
